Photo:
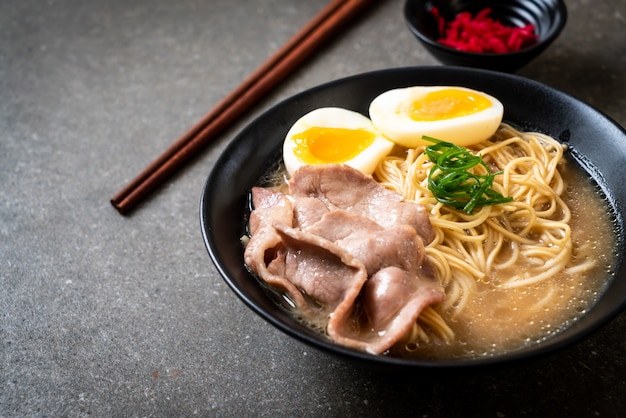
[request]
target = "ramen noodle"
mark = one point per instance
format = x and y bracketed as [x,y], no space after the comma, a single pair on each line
[512,268]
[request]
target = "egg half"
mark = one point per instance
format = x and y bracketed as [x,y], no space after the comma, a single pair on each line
[332,135]
[453,114]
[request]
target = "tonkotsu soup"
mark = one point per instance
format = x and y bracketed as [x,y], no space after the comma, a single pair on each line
[498,320]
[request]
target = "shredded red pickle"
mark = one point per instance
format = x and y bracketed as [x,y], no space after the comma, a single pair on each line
[482,34]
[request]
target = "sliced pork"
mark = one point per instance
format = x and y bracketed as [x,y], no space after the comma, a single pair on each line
[324,271]
[343,246]
[343,187]
[265,246]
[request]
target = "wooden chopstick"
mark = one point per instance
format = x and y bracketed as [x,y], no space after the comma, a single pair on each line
[323,26]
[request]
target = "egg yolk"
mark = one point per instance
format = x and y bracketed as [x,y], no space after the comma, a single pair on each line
[447,104]
[319,145]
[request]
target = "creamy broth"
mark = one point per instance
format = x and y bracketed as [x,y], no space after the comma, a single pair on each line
[498,320]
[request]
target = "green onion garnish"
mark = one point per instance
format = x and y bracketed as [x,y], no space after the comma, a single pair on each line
[451,181]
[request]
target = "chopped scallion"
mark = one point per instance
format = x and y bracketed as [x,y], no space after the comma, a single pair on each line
[451,181]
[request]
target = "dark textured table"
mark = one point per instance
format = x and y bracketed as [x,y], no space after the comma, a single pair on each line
[107,315]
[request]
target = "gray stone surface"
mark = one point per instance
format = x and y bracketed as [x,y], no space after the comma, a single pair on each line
[107,315]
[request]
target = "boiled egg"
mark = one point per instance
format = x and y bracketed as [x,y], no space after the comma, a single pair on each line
[458,115]
[332,135]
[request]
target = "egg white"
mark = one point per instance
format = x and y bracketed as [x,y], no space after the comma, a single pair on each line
[335,117]
[389,114]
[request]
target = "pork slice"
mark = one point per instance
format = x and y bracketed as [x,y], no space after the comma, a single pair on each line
[400,283]
[338,225]
[337,185]
[270,206]
[391,299]
[375,246]
[264,254]
[307,211]
[322,270]
[343,187]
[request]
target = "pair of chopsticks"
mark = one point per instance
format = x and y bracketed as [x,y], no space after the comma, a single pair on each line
[315,33]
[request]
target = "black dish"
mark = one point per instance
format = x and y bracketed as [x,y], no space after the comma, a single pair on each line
[548,17]
[596,142]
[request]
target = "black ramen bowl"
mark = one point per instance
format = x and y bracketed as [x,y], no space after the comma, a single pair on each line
[548,17]
[595,142]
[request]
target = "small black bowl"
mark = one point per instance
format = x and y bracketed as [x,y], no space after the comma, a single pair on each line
[548,17]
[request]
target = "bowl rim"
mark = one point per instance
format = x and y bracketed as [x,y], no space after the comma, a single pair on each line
[556,27]
[570,335]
